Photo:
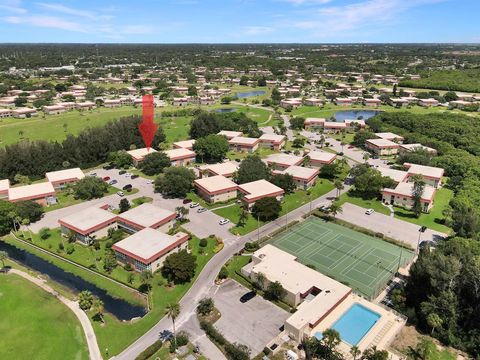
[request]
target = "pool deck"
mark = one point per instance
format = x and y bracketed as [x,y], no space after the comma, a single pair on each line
[380,335]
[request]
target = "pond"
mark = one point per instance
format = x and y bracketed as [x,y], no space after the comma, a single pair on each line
[341,116]
[243,95]
[121,309]
[226,110]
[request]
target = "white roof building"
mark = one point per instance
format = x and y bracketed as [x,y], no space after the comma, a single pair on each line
[30,192]
[88,220]
[256,190]
[283,160]
[186,144]
[226,169]
[146,216]
[230,134]
[67,175]
[139,154]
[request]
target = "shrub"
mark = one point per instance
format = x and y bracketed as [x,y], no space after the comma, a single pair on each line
[213,333]
[223,274]
[70,249]
[150,351]
[203,242]
[205,306]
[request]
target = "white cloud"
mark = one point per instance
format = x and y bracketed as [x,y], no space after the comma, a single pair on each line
[67,10]
[13,6]
[339,20]
[257,30]
[46,21]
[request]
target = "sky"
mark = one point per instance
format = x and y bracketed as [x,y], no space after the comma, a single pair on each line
[240,21]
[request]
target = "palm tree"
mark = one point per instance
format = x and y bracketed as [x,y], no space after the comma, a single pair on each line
[260,280]
[3,257]
[306,161]
[321,141]
[434,321]
[182,211]
[25,223]
[173,310]
[334,209]
[98,308]
[242,217]
[355,351]
[339,186]
[366,156]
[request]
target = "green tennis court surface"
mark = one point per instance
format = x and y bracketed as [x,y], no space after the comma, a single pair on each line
[360,261]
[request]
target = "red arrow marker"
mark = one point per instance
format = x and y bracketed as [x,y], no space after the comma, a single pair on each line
[147,127]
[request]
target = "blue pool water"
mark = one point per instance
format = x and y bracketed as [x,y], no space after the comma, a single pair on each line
[341,116]
[242,95]
[355,323]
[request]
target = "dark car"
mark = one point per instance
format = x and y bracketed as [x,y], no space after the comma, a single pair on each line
[108,167]
[121,172]
[126,187]
[187,201]
[134,176]
[248,296]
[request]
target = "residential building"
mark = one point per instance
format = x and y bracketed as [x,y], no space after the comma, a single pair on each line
[304,177]
[60,179]
[314,123]
[390,136]
[412,147]
[146,216]
[351,124]
[4,186]
[313,102]
[397,176]
[53,109]
[112,103]
[42,193]
[343,102]
[186,144]
[22,113]
[243,144]
[374,102]
[256,190]
[226,169]
[147,249]
[283,161]
[428,102]
[5,113]
[230,134]
[181,156]
[138,155]
[272,141]
[215,189]
[431,175]
[334,127]
[402,196]
[88,224]
[382,147]
[320,158]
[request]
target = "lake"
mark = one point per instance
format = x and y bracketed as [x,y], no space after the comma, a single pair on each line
[341,116]
[243,95]
[121,309]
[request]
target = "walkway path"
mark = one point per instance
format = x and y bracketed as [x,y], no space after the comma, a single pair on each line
[93,348]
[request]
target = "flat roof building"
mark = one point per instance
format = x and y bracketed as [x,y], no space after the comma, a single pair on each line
[304,177]
[186,144]
[226,169]
[397,176]
[61,178]
[272,141]
[390,136]
[256,190]
[216,188]
[282,161]
[402,196]
[320,158]
[412,147]
[42,193]
[4,186]
[244,144]
[431,175]
[382,147]
[88,224]
[181,156]
[148,248]
[138,155]
[146,216]
[230,134]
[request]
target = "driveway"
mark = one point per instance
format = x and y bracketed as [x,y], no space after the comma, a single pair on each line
[394,228]
[254,323]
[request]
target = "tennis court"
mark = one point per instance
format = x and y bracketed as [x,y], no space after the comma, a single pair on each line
[360,261]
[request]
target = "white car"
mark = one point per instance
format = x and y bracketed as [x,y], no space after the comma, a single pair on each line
[223,221]
[128,174]
[369,211]
[194,205]
[120,193]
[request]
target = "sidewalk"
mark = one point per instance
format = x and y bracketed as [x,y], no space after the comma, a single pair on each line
[93,348]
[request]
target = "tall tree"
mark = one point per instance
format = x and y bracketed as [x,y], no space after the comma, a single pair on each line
[173,310]
[251,169]
[417,193]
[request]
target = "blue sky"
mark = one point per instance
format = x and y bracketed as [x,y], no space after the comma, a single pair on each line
[240,21]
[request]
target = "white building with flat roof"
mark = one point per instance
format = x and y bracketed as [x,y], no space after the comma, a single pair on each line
[61,178]
[215,189]
[320,158]
[148,248]
[304,177]
[272,141]
[283,161]
[226,169]
[146,216]
[256,190]
[230,134]
[402,196]
[412,147]
[243,144]
[42,193]
[382,147]
[88,224]
[181,156]
[186,144]
[138,155]
[390,136]
[431,175]
[4,186]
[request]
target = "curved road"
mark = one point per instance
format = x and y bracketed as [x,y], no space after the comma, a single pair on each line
[204,286]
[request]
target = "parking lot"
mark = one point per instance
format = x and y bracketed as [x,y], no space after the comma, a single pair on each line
[253,323]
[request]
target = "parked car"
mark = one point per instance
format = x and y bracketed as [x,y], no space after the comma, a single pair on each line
[93,174]
[351,146]
[194,205]
[127,174]
[201,210]
[106,178]
[120,193]
[108,167]
[248,296]
[127,187]
[187,201]
[369,211]
[223,221]
[134,176]
[121,172]
[112,182]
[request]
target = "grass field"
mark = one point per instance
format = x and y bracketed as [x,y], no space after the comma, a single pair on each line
[360,261]
[35,325]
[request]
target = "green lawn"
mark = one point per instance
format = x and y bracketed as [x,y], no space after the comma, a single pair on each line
[289,203]
[35,325]
[434,219]
[366,204]
[116,335]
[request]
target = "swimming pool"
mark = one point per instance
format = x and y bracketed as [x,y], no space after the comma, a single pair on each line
[355,323]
